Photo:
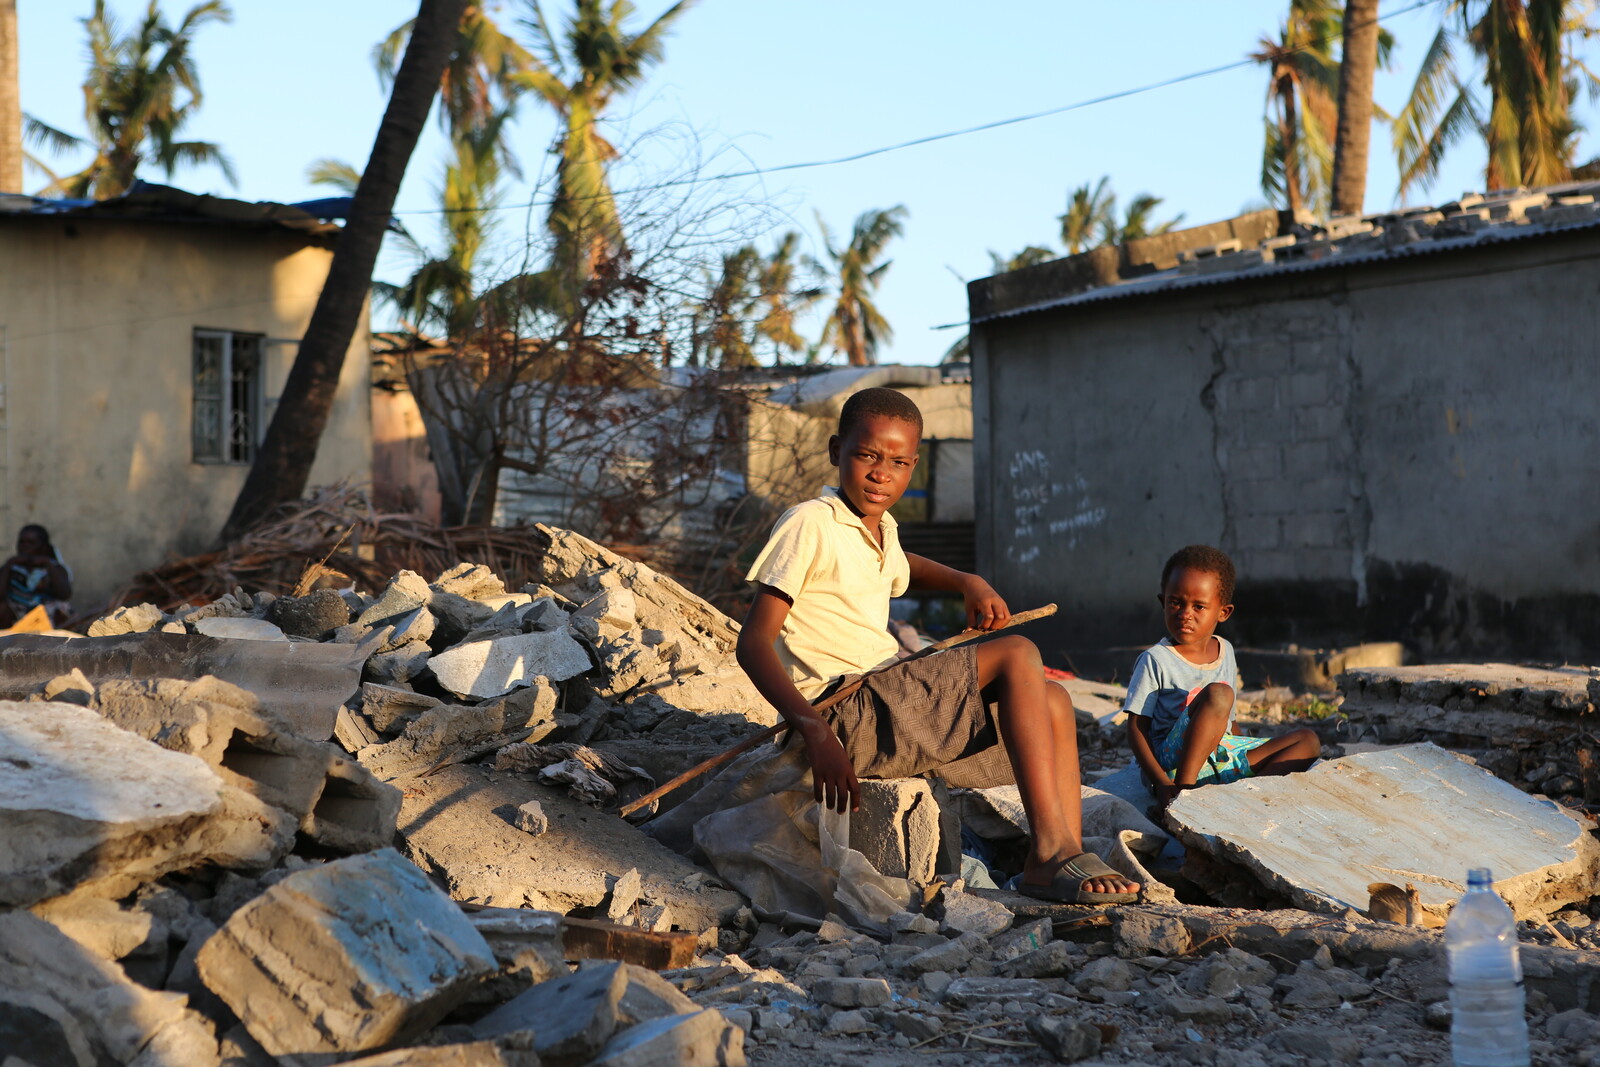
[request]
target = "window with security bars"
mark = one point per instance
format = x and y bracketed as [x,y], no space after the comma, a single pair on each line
[227,396]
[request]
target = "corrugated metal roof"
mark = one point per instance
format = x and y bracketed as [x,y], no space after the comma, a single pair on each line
[148,202]
[1317,255]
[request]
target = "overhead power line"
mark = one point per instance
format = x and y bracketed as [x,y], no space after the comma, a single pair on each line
[756,172]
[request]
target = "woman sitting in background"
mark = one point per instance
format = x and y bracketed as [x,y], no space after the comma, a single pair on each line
[33,577]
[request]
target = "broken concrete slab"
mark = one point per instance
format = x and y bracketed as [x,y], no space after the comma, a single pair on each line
[82,801]
[389,708]
[100,925]
[475,1054]
[414,627]
[1470,686]
[354,955]
[1096,704]
[452,825]
[405,592]
[1314,669]
[331,799]
[572,1016]
[354,812]
[494,667]
[62,1004]
[524,942]
[303,682]
[399,665]
[441,731]
[1415,813]
[897,828]
[226,727]
[239,629]
[702,1039]
[127,620]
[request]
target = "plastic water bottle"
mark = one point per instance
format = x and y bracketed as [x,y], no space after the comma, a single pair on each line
[1488,1027]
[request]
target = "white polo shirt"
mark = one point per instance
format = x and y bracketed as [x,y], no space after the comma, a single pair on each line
[839,580]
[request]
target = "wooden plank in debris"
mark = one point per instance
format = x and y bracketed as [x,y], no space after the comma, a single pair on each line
[596,939]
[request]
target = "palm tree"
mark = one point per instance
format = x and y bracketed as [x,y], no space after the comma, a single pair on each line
[1525,51]
[479,83]
[601,61]
[781,297]
[283,463]
[1091,221]
[752,298]
[10,102]
[1030,256]
[1358,67]
[856,326]
[1089,218]
[442,291]
[1137,222]
[1302,90]
[142,88]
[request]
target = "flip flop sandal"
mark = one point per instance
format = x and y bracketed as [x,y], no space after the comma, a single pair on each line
[1066,886]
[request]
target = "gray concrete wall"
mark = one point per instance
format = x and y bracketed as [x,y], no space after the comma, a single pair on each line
[1407,450]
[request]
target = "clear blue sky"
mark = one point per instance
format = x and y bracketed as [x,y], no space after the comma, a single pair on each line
[770,82]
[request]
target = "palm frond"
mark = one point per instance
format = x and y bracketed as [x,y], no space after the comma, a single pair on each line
[41,134]
[334,173]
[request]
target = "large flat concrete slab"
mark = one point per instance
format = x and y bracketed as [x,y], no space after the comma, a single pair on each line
[82,801]
[456,824]
[1415,813]
[304,682]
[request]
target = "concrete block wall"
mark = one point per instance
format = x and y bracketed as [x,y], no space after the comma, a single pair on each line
[1397,450]
[1280,397]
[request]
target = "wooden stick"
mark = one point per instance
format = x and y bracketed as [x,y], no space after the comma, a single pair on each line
[825,703]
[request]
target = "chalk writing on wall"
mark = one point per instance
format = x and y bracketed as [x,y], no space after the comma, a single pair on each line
[1046,512]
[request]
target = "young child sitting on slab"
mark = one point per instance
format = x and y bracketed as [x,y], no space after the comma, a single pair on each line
[1180,697]
[820,615]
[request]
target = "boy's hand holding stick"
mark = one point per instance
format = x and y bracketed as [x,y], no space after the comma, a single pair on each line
[827,702]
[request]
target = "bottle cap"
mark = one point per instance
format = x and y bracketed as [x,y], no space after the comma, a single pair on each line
[1479,878]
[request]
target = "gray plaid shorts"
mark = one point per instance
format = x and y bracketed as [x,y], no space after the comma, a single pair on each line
[923,716]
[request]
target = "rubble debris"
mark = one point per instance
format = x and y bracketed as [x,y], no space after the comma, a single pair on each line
[228,629]
[450,822]
[591,776]
[1531,726]
[129,620]
[434,735]
[378,955]
[1320,838]
[303,682]
[701,1039]
[1097,704]
[531,819]
[1315,669]
[88,803]
[312,616]
[898,828]
[526,943]
[330,798]
[505,1053]
[494,667]
[62,1004]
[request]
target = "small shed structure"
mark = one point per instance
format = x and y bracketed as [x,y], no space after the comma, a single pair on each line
[1389,422]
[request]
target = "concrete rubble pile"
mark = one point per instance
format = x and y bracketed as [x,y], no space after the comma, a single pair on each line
[1534,727]
[429,870]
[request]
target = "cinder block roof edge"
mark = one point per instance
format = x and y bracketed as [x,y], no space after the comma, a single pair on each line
[1172,281]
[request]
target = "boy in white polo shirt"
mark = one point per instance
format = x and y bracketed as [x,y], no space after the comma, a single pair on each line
[821,614]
